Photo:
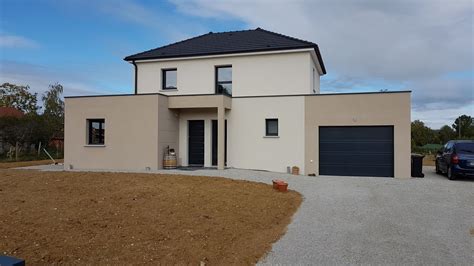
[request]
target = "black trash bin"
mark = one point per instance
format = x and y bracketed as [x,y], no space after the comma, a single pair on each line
[417,165]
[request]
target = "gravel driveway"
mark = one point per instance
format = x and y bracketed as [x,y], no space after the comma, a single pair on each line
[366,220]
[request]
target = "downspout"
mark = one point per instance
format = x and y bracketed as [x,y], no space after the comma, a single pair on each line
[136,76]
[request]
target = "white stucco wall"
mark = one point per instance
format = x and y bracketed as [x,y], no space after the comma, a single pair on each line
[278,73]
[249,148]
[315,78]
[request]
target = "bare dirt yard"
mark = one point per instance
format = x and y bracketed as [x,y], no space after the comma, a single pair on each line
[125,218]
[6,165]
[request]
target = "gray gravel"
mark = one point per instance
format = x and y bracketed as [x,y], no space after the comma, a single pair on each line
[366,220]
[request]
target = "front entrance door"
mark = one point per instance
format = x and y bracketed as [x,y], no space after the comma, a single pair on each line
[214,142]
[196,142]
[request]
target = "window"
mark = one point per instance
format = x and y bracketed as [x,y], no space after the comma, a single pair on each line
[169,79]
[271,127]
[465,147]
[448,147]
[224,80]
[96,130]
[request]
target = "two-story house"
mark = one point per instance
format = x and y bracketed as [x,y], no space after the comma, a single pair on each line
[245,99]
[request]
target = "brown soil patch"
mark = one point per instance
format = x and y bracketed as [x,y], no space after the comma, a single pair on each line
[6,165]
[111,218]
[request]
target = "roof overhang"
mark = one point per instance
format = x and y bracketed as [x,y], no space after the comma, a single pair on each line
[314,49]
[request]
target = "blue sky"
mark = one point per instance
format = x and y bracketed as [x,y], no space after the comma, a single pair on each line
[423,46]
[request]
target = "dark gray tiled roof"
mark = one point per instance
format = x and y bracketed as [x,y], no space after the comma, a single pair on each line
[257,40]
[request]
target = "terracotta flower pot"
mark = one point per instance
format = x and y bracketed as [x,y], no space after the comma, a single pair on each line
[275,183]
[283,187]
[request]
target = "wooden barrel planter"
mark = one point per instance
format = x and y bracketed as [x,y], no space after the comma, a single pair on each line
[169,162]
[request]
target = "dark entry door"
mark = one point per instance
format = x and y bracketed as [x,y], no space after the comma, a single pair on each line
[356,151]
[214,142]
[196,142]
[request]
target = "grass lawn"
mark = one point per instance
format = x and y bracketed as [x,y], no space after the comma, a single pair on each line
[124,218]
[6,165]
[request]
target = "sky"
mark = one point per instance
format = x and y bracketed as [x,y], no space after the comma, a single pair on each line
[426,46]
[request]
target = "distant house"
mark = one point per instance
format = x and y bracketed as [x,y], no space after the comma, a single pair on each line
[244,99]
[8,112]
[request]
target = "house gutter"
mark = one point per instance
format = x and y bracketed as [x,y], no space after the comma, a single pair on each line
[136,76]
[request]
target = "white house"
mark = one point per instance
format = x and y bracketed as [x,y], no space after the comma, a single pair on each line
[244,99]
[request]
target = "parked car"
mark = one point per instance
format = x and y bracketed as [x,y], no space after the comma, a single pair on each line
[456,158]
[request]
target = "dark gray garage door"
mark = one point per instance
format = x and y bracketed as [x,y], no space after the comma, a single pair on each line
[356,151]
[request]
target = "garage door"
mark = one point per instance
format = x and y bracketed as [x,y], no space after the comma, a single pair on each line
[356,151]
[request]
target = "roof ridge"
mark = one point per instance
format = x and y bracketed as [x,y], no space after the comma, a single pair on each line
[192,38]
[232,31]
[285,36]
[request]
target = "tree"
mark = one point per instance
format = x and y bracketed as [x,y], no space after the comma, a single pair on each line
[18,97]
[421,134]
[54,110]
[52,102]
[446,133]
[464,126]
[18,131]
[53,115]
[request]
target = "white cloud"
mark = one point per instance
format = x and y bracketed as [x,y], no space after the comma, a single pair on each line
[14,41]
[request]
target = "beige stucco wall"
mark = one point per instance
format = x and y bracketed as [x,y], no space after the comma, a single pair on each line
[359,109]
[131,132]
[249,148]
[168,129]
[278,73]
[140,127]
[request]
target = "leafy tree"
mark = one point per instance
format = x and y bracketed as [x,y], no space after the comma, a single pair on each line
[464,126]
[446,133]
[421,134]
[19,97]
[52,102]
[18,131]
[54,110]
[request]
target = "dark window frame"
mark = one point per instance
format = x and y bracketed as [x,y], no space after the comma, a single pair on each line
[217,82]
[163,79]
[270,134]
[101,122]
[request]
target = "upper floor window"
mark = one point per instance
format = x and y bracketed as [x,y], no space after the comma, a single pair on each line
[169,79]
[96,131]
[224,80]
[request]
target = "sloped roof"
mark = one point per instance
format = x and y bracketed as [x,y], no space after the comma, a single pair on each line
[258,40]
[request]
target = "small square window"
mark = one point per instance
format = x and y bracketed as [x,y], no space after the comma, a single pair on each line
[96,131]
[271,127]
[170,81]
